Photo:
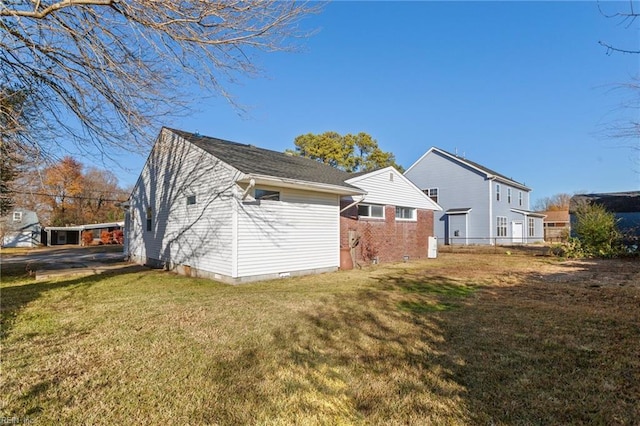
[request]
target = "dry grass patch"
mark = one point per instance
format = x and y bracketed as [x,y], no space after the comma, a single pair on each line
[462,339]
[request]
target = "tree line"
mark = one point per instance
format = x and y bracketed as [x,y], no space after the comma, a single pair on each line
[63,193]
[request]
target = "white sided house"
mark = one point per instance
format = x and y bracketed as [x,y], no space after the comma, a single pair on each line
[234,212]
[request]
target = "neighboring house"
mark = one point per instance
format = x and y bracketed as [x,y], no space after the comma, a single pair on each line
[556,225]
[234,212]
[624,205]
[480,205]
[61,235]
[392,222]
[21,228]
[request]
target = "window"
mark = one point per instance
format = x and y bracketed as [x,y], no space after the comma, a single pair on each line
[191,200]
[149,218]
[497,192]
[369,210]
[532,227]
[509,195]
[17,216]
[501,228]
[520,198]
[432,193]
[405,213]
[264,194]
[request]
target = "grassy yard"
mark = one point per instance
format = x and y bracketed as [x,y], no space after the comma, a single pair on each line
[462,339]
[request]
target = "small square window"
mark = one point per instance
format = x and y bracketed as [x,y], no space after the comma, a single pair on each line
[263,194]
[405,213]
[191,200]
[431,193]
[369,210]
[17,216]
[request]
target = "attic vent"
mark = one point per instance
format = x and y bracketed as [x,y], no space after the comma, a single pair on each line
[390,177]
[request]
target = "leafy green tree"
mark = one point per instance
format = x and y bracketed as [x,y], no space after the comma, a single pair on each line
[596,229]
[351,153]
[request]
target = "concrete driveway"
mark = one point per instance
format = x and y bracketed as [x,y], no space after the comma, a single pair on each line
[52,256]
[70,260]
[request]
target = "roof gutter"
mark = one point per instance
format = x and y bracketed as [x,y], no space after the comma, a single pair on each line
[509,182]
[300,184]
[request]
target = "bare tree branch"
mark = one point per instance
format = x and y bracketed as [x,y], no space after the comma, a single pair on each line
[106,74]
[627,18]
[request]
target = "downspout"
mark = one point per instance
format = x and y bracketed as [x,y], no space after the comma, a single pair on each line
[491,213]
[252,183]
[234,230]
[354,203]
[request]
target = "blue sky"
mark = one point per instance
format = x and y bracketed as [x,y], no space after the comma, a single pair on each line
[523,88]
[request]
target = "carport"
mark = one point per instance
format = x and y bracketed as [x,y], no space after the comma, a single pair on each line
[61,235]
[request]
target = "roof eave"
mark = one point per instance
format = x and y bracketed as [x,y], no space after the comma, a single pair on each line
[509,182]
[300,184]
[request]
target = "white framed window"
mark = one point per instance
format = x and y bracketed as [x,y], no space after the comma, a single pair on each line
[17,216]
[520,198]
[149,218]
[191,200]
[509,195]
[371,211]
[405,213]
[432,193]
[497,192]
[501,226]
[532,227]
[265,194]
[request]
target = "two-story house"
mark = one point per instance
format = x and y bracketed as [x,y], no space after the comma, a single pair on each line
[480,206]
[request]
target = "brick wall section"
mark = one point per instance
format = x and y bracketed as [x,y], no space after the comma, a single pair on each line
[388,240]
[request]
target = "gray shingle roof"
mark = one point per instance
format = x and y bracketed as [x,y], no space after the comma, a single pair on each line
[616,202]
[481,167]
[250,159]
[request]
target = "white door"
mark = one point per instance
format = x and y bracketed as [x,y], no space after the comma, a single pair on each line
[517,232]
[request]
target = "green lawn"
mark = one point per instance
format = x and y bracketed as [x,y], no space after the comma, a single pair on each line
[462,339]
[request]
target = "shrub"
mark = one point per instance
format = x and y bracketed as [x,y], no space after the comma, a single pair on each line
[596,231]
[105,237]
[118,236]
[87,237]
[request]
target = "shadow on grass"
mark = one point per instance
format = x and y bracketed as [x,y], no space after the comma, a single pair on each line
[379,350]
[431,350]
[15,294]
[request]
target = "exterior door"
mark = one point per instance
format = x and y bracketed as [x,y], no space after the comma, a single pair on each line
[517,232]
[457,229]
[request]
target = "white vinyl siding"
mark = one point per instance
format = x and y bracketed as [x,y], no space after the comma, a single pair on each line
[196,235]
[399,191]
[300,232]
